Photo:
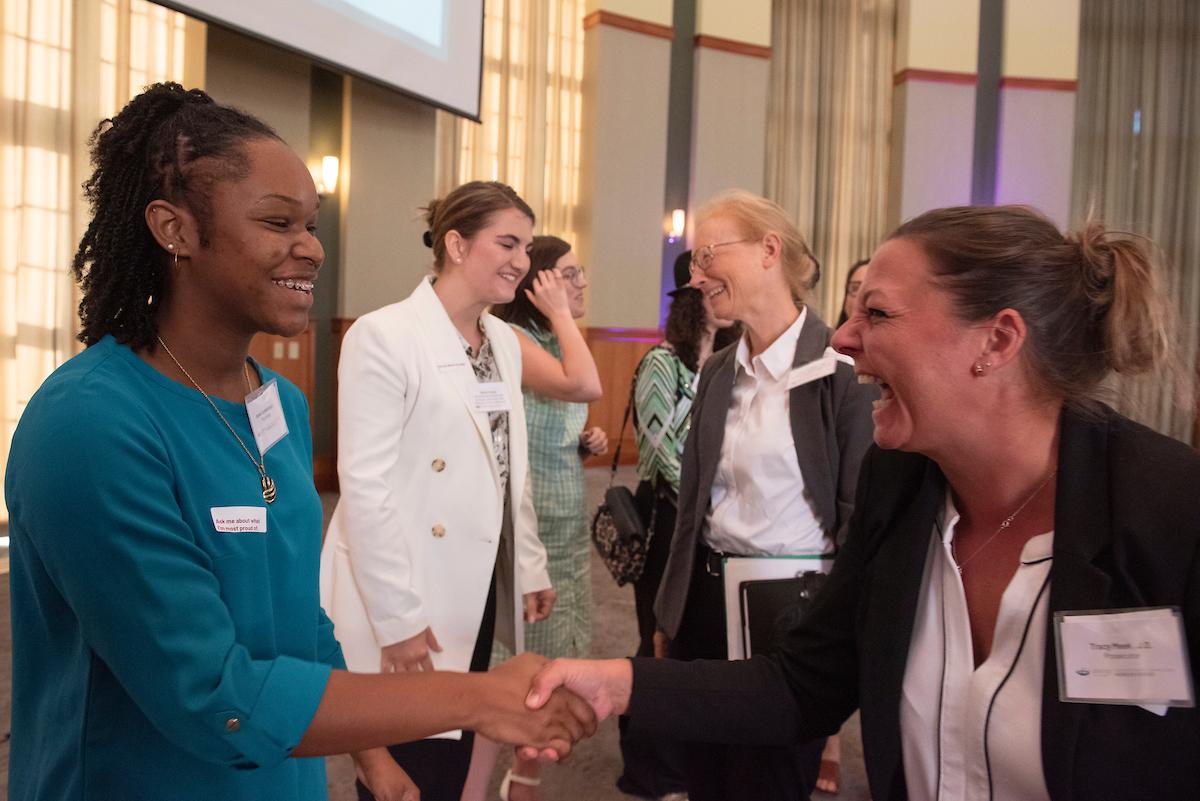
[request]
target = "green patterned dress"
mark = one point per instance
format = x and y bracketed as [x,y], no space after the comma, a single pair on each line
[556,467]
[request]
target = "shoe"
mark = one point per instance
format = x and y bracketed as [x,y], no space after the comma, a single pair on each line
[829,775]
[511,778]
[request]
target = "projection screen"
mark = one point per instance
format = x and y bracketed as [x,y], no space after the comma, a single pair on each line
[431,49]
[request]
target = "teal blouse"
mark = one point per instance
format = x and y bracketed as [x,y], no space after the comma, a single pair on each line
[153,656]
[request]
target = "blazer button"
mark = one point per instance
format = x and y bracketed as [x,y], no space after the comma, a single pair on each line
[233,724]
[439,465]
[439,530]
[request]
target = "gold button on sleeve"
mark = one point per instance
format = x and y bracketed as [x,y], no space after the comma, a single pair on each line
[233,724]
[439,465]
[439,530]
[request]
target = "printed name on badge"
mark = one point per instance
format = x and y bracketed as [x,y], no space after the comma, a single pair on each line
[490,396]
[1124,656]
[266,416]
[239,519]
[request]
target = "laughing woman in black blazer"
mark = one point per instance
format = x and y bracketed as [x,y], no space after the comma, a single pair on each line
[1020,497]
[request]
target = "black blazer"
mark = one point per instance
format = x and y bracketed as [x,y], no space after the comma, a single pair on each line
[1126,534]
[831,430]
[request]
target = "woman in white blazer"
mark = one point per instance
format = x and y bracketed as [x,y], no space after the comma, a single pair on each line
[434,537]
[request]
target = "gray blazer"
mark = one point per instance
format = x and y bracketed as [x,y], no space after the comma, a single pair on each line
[831,430]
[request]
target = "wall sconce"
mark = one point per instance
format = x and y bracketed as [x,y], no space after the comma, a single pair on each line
[675,225]
[326,178]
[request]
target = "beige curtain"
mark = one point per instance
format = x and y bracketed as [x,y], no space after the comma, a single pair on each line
[531,111]
[1137,164]
[829,112]
[64,65]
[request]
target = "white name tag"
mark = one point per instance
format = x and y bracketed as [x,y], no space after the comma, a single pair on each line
[266,416]
[490,396]
[240,519]
[1124,656]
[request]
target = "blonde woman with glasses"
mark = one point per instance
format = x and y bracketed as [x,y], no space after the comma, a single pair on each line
[770,464]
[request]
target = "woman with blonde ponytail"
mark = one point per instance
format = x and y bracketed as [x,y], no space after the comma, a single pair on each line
[1018,601]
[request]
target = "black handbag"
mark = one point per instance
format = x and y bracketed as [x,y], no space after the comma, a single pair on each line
[619,533]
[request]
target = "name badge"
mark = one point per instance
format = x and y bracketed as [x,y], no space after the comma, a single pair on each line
[266,416]
[1124,656]
[240,519]
[490,396]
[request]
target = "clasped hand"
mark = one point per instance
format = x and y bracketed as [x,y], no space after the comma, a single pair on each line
[604,685]
[547,731]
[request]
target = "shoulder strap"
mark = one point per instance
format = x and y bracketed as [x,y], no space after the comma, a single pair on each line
[625,420]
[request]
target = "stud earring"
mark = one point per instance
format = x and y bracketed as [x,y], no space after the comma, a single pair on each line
[174,253]
[978,368]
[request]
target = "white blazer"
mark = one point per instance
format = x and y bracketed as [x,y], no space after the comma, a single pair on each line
[414,537]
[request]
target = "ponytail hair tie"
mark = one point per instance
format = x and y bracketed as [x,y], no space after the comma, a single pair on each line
[427,238]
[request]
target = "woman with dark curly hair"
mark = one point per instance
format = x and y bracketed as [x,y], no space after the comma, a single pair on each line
[167,638]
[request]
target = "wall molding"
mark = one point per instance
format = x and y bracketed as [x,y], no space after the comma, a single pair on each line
[732,46]
[1044,84]
[628,24]
[935,76]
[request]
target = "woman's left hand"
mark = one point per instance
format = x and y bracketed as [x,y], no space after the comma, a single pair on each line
[386,780]
[539,605]
[594,441]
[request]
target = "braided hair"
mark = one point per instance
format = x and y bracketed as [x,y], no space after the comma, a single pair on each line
[168,143]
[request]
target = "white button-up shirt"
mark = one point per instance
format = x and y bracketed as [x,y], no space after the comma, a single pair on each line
[974,734]
[759,506]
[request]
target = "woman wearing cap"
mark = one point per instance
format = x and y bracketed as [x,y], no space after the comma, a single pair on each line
[778,429]
[433,547]
[1005,511]
[664,387]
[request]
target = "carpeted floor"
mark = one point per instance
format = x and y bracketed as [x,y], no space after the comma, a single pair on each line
[591,772]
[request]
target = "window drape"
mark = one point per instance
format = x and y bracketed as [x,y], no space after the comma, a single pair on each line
[1137,166]
[64,65]
[531,111]
[829,111]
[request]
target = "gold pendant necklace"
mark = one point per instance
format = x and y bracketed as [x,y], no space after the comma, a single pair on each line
[1007,522]
[260,464]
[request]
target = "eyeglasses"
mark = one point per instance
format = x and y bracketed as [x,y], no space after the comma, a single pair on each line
[702,257]
[576,275]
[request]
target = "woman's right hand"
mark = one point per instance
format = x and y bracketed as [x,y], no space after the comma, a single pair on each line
[549,295]
[409,655]
[548,732]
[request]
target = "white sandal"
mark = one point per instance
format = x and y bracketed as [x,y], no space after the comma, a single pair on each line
[510,778]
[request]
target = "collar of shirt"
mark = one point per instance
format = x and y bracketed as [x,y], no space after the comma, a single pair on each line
[467,345]
[778,357]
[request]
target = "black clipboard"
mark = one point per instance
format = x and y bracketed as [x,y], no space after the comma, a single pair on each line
[762,601]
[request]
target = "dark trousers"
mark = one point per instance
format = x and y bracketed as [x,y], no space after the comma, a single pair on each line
[439,767]
[717,772]
[653,763]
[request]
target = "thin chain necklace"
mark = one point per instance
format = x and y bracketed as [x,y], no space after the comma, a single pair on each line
[1007,522]
[268,485]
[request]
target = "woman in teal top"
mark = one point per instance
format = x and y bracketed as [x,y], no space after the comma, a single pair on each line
[167,638]
[559,377]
